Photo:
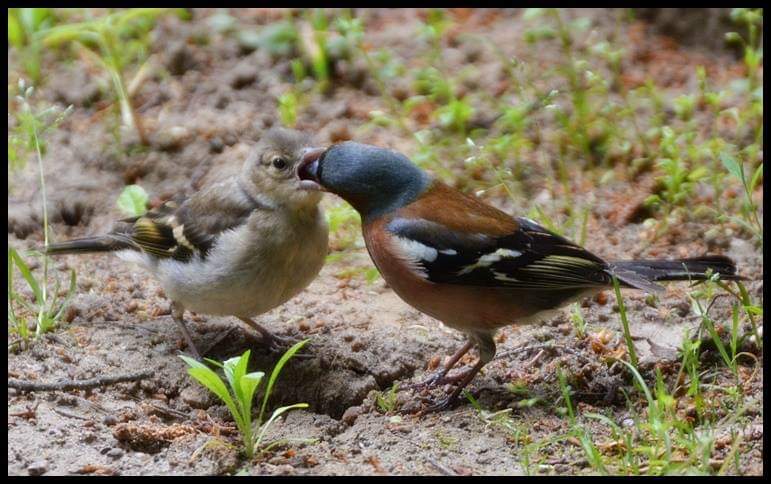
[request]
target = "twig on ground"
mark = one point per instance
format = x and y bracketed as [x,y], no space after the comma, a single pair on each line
[545,346]
[61,385]
[67,414]
[28,413]
[443,469]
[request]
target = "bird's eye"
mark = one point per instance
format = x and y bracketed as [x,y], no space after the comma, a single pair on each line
[279,163]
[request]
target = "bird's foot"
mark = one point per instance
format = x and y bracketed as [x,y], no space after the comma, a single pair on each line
[439,378]
[280,344]
[446,403]
[273,343]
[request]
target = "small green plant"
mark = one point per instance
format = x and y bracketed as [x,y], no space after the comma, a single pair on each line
[23,27]
[593,455]
[345,226]
[48,308]
[30,125]
[278,38]
[625,323]
[387,401]
[133,201]
[287,108]
[579,323]
[750,218]
[730,350]
[678,179]
[752,18]
[106,38]
[48,305]
[313,44]
[239,397]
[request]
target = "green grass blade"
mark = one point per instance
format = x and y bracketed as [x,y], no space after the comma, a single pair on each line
[27,274]
[276,370]
[276,413]
[209,379]
[625,322]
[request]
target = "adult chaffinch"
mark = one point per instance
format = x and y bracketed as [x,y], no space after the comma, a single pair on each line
[238,247]
[467,264]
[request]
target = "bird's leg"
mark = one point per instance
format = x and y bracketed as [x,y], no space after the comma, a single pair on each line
[439,377]
[272,341]
[177,313]
[486,345]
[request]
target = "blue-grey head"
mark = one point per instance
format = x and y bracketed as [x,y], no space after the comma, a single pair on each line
[374,180]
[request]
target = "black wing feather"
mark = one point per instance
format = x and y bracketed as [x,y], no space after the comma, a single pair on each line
[531,257]
[181,228]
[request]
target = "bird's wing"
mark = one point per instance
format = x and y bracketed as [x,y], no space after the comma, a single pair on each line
[527,256]
[184,227]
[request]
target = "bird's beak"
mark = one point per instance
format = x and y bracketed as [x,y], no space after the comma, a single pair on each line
[307,170]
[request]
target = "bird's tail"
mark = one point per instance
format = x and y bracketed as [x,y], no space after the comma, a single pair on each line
[102,243]
[642,274]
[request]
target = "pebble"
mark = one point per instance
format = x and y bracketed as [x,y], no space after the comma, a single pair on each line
[115,453]
[132,306]
[243,75]
[683,308]
[173,138]
[216,145]
[110,420]
[351,414]
[197,397]
[37,468]
[180,58]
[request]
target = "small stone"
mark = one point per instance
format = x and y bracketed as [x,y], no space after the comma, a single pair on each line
[351,414]
[37,468]
[216,145]
[243,75]
[173,138]
[180,58]
[339,133]
[115,453]
[71,313]
[131,306]
[109,420]
[197,397]
[683,309]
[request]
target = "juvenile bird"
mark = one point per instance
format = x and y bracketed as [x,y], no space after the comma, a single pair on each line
[467,264]
[239,247]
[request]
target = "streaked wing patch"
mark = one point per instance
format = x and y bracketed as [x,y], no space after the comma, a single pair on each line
[416,254]
[487,260]
[531,257]
[182,228]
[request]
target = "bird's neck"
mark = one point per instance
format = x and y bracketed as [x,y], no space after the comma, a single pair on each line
[387,201]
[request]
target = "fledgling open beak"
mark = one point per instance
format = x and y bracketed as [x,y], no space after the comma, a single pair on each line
[307,169]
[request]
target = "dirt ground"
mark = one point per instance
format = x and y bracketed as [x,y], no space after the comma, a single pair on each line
[364,338]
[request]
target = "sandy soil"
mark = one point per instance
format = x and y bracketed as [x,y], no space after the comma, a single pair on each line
[364,339]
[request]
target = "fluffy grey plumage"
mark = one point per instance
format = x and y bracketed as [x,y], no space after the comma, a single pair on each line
[239,247]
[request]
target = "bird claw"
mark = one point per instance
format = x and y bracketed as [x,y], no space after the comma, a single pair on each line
[435,380]
[280,344]
[446,403]
[430,382]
